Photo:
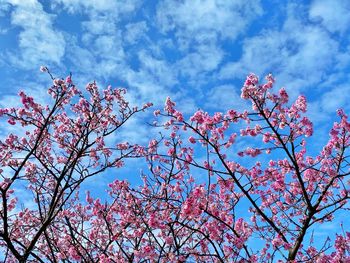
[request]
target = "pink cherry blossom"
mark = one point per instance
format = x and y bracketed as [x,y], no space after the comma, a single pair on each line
[197,201]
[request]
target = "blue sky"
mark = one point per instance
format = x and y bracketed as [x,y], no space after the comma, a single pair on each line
[197,52]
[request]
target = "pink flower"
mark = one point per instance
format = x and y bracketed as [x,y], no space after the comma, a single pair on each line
[69,80]
[283,95]
[300,103]
[191,139]
[11,121]
[58,82]
[43,69]
[169,105]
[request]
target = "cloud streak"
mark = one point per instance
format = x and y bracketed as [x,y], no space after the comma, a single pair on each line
[38,40]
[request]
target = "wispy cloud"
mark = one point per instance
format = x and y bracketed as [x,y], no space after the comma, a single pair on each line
[115,8]
[38,41]
[136,32]
[223,98]
[206,21]
[206,58]
[334,15]
[4,7]
[300,54]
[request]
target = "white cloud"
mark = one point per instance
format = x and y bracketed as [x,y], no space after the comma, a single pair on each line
[152,80]
[335,99]
[104,39]
[159,69]
[322,112]
[135,32]
[223,98]
[205,59]
[100,6]
[4,7]
[299,54]
[39,43]
[197,29]
[99,24]
[81,58]
[146,86]
[97,56]
[206,20]
[332,14]
[98,51]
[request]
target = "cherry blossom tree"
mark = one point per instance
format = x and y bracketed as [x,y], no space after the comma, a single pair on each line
[56,148]
[240,186]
